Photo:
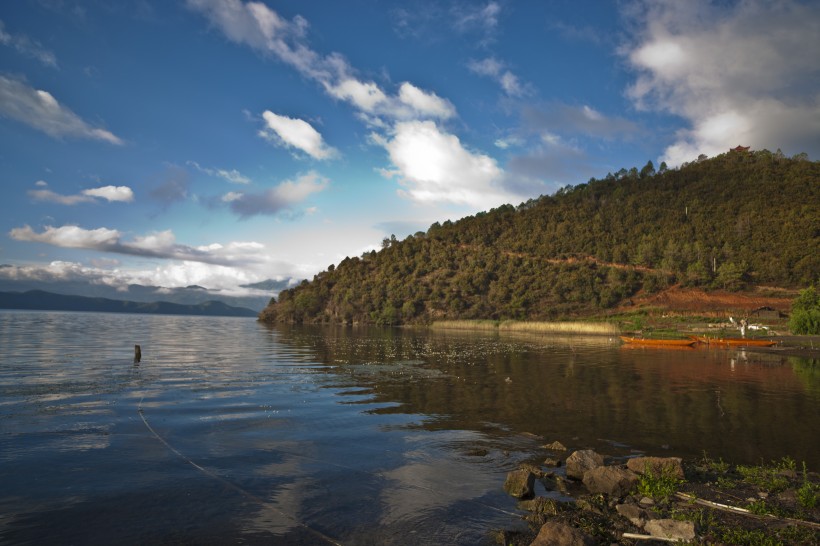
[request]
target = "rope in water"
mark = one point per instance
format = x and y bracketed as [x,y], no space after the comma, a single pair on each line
[229,484]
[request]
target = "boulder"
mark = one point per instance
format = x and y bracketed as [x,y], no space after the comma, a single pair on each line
[634,513]
[582,460]
[556,446]
[539,505]
[610,480]
[671,529]
[520,484]
[554,533]
[657,465]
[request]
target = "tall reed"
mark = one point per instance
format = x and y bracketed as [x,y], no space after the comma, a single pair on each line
[577,327]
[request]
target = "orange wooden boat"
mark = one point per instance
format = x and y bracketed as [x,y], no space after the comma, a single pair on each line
[659,342]
[734,341]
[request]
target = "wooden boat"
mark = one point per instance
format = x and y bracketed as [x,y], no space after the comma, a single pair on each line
[659,342]
[734,341]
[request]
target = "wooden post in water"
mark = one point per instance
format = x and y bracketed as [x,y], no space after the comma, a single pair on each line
[137,354]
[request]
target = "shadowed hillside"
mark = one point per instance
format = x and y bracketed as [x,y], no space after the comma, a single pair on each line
[731,222]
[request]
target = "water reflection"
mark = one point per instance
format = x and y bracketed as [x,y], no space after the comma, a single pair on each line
[286,435]
[739,404]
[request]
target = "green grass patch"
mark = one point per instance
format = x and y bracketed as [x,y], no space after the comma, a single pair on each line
[658,486]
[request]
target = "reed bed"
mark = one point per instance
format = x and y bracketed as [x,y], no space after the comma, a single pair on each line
[487,325]
[575,327]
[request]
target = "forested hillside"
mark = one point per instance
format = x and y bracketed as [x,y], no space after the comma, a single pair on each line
[739,219]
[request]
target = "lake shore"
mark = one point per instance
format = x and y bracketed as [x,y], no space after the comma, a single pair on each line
[588,498]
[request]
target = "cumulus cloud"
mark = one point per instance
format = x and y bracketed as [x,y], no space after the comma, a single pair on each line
[739,74]
[40,110]
[233,176]
[161,244]
[280,199]
[26,46]
[296,133]
[434,166]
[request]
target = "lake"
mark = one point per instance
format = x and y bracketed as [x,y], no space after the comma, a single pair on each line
[231,431]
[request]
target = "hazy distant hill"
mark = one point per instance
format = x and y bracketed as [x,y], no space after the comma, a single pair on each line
[740,219]
[189,295]
[39,300]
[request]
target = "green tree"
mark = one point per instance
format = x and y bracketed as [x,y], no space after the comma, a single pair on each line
[805,317]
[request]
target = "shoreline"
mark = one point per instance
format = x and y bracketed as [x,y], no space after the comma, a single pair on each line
[590,498]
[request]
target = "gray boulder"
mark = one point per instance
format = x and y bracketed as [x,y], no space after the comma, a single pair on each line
[520,484]
[671,529]
[582,460]
[610,480]
[554,533]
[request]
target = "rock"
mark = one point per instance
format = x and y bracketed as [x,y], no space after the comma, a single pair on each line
[657,465]
[556,446]
[549,461]
[646,501]
[582,460]
[610,480]
[671,529]
[634,513]
[520,483]
[554,533]
[539,505]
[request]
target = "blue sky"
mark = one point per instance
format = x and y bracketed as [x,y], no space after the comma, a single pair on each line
[224,142]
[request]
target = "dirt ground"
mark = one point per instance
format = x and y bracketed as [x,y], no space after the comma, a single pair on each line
[718,303]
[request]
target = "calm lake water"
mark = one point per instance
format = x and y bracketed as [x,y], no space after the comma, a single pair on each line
[230,431]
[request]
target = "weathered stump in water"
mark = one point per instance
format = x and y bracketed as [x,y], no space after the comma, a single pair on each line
[137,354]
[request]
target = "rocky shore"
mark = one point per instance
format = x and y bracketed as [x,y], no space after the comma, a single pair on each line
[581,498]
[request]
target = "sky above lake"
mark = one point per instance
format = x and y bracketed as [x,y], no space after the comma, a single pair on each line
[224,142]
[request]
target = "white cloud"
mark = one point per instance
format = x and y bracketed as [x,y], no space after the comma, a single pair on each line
[296,133]
[160,244]
[28,47]
[495,69]
[40,110]
[112,193]
[740,74]
[425,104]
[280,199]
[470,17]
[233,176]
[109,193]
[52,197]
[259,27]
[434,166]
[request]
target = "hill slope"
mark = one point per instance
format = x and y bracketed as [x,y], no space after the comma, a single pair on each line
[736,220]
[47,301]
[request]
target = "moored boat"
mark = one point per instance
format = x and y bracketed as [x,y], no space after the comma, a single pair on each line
[659,342]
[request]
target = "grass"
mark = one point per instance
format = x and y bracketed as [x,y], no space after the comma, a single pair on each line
[808,492]
[578,327]
[772,477]
[658,486]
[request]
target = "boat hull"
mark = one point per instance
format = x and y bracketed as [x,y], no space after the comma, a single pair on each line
[735,341]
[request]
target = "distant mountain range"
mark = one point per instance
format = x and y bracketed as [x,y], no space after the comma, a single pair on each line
[49,301]
[189,295]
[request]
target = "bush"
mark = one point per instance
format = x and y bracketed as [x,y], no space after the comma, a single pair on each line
[805,317]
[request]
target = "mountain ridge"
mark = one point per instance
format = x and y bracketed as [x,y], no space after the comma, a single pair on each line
[735,221]
[41,300]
